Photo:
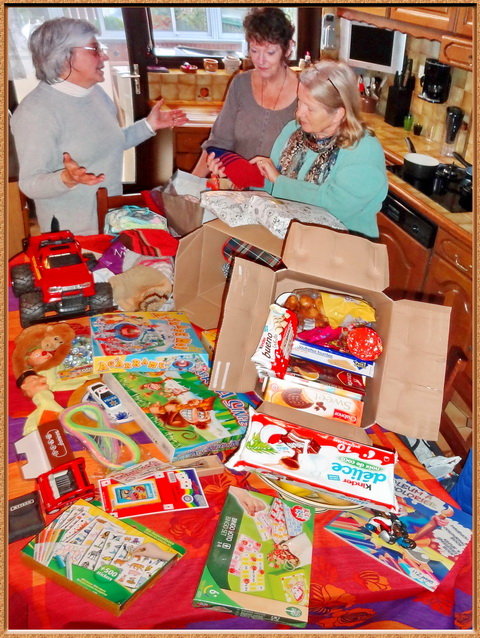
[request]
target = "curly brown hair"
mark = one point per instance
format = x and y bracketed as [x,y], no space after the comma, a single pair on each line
[269,24]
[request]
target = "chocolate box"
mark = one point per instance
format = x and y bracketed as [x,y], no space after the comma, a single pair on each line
[405,395]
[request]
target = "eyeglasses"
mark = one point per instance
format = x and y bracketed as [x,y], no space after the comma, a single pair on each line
[97,49]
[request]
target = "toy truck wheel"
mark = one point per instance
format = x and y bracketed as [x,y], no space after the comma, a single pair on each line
[22,279]
[32,308]
[103,298]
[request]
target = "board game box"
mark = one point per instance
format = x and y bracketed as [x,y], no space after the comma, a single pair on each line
[434,535]
[164,491]
[100,558]
[259,563]
[179,412]
[145,341]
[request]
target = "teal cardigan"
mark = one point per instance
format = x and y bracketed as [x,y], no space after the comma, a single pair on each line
[353,191]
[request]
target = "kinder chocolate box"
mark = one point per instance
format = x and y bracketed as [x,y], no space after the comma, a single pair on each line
[406,392]
[351,471]
[259,566]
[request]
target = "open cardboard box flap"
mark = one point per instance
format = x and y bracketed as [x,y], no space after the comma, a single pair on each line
[339,257]
[405,394]
[200,278]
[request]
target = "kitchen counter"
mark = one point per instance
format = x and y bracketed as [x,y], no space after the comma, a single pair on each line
[392,138]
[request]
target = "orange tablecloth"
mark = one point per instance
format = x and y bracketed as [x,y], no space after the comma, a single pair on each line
[349,591]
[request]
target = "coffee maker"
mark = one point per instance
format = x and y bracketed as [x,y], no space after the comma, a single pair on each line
[436,81]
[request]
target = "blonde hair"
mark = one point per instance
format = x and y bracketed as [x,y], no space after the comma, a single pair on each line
[334,85]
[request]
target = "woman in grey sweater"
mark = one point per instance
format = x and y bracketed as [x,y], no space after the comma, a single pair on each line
[66,131]
[259,102]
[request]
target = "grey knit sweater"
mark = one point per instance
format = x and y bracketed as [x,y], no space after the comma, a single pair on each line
[48,123]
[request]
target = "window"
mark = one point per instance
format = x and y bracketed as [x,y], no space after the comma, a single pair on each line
[200,30]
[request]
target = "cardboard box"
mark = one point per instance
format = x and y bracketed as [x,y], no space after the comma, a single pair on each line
[200,276]
[260,566]
[405,395]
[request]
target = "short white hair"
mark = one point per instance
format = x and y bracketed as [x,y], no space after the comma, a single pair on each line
[52,42]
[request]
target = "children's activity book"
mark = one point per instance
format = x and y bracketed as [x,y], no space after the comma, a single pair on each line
[100,558]
[439,531]
[179,413]
[165,491]
[145,341]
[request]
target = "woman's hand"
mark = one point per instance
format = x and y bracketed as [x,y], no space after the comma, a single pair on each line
[215,165]
[150,550]
[74,174]
[266,167]
[250,504]
[164,119]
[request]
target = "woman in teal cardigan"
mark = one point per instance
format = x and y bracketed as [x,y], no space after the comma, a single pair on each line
[328,157]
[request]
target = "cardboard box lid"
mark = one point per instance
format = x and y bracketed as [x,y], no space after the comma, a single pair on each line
[411,392]
[336,256]
[200,279]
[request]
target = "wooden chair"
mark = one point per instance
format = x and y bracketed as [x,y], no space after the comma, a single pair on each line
[104,203]
[460,446]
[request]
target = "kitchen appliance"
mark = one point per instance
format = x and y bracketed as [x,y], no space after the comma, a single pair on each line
[368,47]
[452,126]
[444,189]
[436,81]
[418,165]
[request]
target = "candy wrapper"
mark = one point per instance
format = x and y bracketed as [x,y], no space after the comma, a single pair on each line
[352,471]
[273,351]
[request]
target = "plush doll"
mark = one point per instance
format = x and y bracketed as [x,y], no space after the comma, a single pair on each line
[39,353]
[41,347]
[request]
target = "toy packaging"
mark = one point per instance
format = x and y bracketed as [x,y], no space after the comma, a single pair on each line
[179,413]
[351,471]
[434,534]
[145,342]
[259,565]
[166,491]
[100,558]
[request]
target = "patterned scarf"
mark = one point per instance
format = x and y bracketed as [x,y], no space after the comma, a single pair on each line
[293,155]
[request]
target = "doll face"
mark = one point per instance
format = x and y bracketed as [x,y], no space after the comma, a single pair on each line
[37,357]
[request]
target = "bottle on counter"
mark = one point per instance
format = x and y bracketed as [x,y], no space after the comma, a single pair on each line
[308,59]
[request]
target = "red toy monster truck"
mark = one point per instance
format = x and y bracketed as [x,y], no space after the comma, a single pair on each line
[57,281]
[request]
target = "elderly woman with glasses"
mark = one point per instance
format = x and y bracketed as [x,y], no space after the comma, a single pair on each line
[66,131]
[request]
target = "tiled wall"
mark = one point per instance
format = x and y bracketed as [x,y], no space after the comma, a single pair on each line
[177,86]
[433,116]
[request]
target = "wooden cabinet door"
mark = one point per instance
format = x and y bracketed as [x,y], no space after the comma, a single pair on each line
[187,146]
[432,16]
[408,260]
[464,24]
[446,285]
[457,52]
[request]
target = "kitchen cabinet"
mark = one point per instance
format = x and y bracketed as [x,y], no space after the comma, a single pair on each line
[187,145]
[408,260]
[464,22]
[431,16]
[449,282]
[457,52]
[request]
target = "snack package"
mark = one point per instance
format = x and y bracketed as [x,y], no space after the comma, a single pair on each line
[324,375]
[318,308]
[296,395]
[351,471]
[273,351]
